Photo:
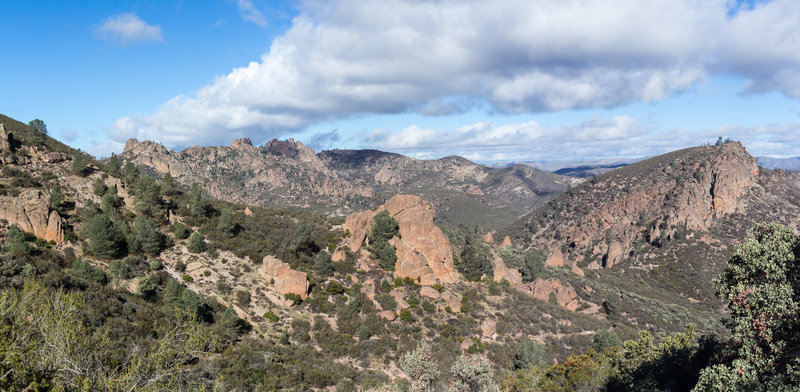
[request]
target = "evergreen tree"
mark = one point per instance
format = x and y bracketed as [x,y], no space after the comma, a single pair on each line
[148,196]
[113,166]
[78,165]
[532,266]
[16,242]
[146,231]
[225,224]
[56,199]
[197,243]
[198,202]
[38,126]
[111,202]
[475,261]
[383,228]
[530,353]
[84,270]
[323,265]
[180,230]
[129,174]
[169,187]
[172,296]
[99,187]
[102,237]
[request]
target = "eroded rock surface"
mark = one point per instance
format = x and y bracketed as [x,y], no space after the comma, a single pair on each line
[565,294]
[423,251]
[31,212]
[286,279]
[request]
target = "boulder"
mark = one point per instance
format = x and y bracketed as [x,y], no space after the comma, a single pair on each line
[565,294]
[466,344]
[488,328]
[286,279]
[429,292]
[387,315]
[400,296]
[453,301]
[577,271]
[338,256]
[556,259]
[248,211]
[488,238]
[506,242]
[31,212]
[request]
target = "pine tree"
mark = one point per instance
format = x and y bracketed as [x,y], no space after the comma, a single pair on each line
[78,165]
[113,166]
[102,237]
[56,199]
[169,187]
[197,243]
[198,202]
[225,224]
[16,242]
[99,187]
[148,196]
[146,231]
[323,265]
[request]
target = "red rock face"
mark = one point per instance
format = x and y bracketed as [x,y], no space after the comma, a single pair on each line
[31,212]
[423,251]
[287,280]
[687,189]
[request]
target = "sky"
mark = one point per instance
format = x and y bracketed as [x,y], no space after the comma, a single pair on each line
[499,81]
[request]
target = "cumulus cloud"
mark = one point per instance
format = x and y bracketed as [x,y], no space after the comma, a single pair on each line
[321,140]
[350,57]
[128,29]
[594,137]
[250,13]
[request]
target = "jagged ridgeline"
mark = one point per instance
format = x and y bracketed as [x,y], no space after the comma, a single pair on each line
[287,174]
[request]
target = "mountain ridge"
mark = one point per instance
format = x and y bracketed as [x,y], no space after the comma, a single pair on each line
[289,174]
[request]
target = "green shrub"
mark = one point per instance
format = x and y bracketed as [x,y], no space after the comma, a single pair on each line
[187,278]
[272,317]
[406,316]
[243,298]
[180,230]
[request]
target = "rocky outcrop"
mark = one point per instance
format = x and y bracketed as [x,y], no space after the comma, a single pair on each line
[556,259]
[488,328]
[5,139]
[31,212]
[286,280]
[242,143]
[502,272]
[565,294]
[429,292]
[453,301]
[423,251]
[650,201]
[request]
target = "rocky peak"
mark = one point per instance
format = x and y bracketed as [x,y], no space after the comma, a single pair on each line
[243,142]
[423,251]
[647,202]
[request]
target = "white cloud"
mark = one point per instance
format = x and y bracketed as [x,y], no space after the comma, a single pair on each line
[594,137]
[350,57]
[128,29]
[250,13]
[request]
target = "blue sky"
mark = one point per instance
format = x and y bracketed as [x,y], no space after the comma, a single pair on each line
[509,80]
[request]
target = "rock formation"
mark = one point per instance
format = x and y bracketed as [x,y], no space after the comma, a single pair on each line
[650,201]
[31,212]
[423,251]
[565,294]
[286,279]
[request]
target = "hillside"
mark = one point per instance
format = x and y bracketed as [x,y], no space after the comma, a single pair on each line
[664,227]
[266,298]
[287,174]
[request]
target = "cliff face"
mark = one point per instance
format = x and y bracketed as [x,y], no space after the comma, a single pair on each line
[290,174]
[650,202]
[423,251]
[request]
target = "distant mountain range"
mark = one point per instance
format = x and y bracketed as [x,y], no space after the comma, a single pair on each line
[288,174]
[791,164]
